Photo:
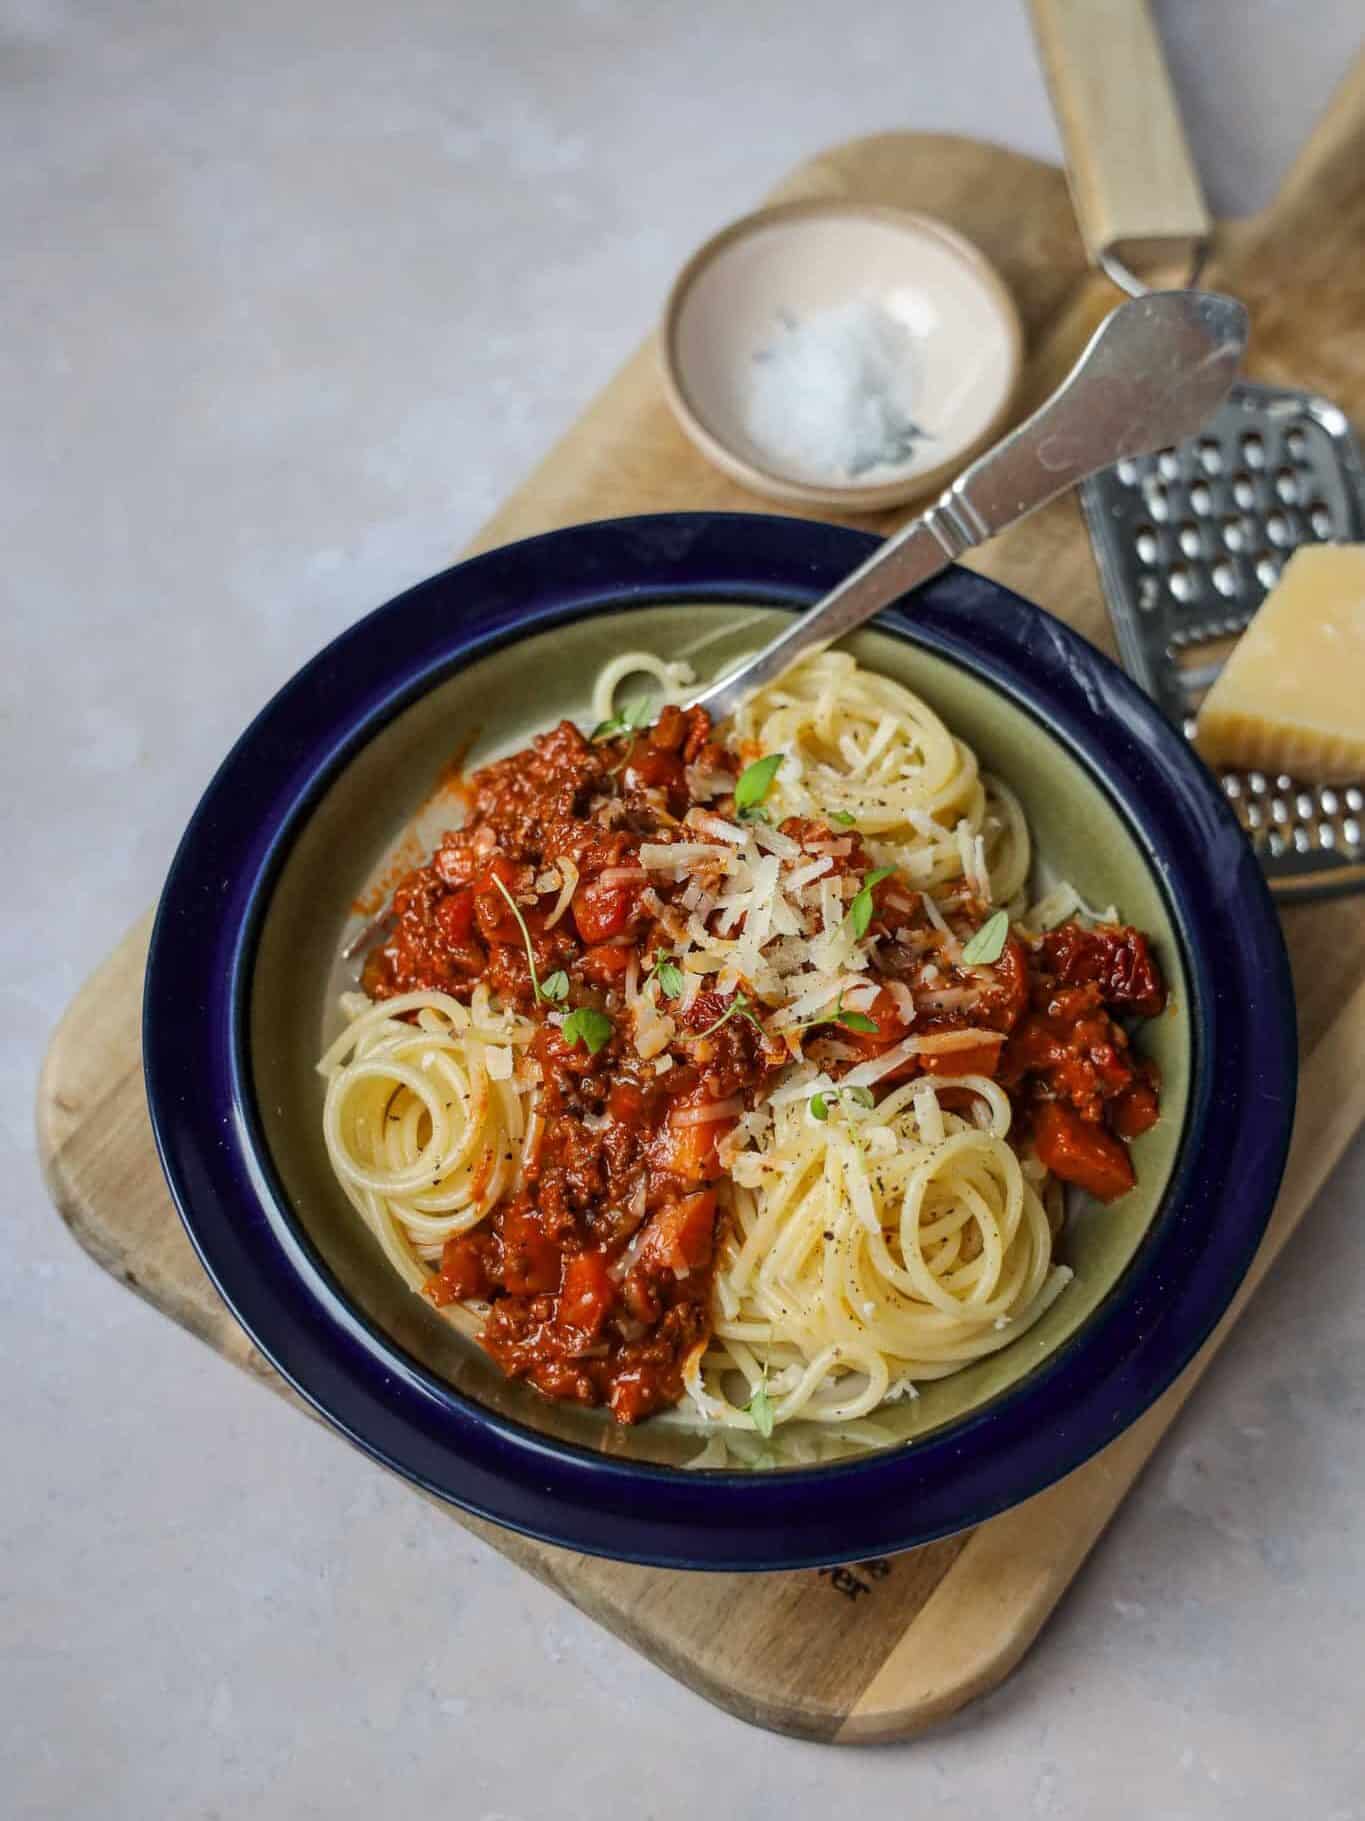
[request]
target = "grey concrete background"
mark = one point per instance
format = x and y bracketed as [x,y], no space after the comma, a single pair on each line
[293,293]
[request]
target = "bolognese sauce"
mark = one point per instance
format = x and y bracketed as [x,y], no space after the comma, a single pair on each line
[598,1268]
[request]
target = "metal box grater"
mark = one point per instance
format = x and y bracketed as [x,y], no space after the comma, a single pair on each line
[1188,543]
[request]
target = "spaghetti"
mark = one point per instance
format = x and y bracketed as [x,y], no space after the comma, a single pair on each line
[737,1069]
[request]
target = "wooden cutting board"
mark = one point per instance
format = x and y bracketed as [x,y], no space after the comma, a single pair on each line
[882,1650]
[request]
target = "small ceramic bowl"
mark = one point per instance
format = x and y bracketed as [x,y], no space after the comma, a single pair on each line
[289,854]
[763,278]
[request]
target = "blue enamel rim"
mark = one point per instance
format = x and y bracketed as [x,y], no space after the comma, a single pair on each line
[1180,1282]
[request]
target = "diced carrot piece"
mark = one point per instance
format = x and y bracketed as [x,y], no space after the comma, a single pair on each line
[680,1236]
[689,1151]
[1082,1153]
[978,1059]
[890,1021]
[586,1294]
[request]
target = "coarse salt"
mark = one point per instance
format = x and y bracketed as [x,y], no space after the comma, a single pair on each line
[832,396]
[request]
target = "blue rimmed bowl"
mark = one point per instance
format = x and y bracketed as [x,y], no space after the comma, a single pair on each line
[338,780]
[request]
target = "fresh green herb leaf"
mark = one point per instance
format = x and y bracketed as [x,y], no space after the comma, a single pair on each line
[669,976]
[540,991]
[819,1103]
[842,819]
[737,1008]
[591,1028]
[860,911]
[631,718]
[988,944]
[756,780]
[851,1021]
[760,1408]
[756,814]
[556,987]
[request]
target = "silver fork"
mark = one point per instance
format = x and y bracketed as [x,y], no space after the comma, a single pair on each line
[1156,368]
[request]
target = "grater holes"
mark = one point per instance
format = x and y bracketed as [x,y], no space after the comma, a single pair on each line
[1279,811]
[1350,833]
[1191,543]
[1210,456]
[1320,522]
[1303,841]
[1225,579]
[1232,786]
[1148,592]
[1127,471]
[1328,801]
[1256,783]
[1304,806]
[1287,486]
[1243,492]
[1268,571]
[1327,835]
[1147,544]
[1201,499]
[1296,444]
[1183,583]
[1154,493]
[1279,530]
[1276,844]
[1238,533]
[1355,798]
[1253,450]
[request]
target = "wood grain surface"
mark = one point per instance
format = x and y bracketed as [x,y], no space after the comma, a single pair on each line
[883,1650]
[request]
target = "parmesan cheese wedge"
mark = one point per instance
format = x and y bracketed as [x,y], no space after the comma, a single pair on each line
[1291,698]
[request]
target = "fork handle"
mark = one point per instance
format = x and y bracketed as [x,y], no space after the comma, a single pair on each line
[1133,181]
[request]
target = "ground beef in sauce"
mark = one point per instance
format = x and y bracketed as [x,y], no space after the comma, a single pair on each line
[599,1269]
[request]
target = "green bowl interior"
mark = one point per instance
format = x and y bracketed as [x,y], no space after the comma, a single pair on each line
[389,805]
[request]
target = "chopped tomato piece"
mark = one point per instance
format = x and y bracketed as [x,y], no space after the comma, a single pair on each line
[680,1236]
[1034,1047]
[455,916]
[1080,1152]
[649,768]
[1004,996]
[603,911]
[561,1058]
[1136,1111]
[625,1102]
[1117,959]
[605,964]
[586,1294]
[494,914]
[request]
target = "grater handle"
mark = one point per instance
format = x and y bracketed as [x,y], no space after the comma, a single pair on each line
[1133,182]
